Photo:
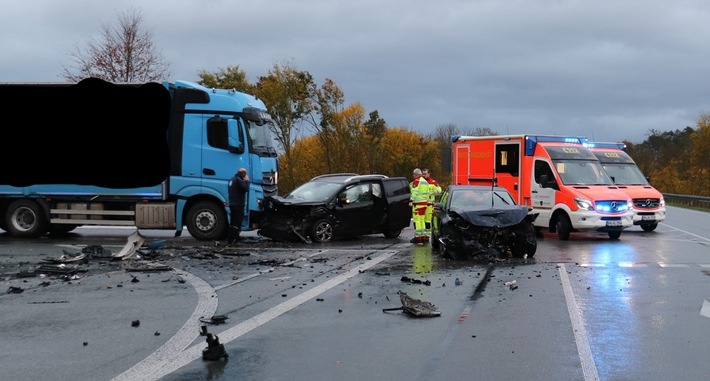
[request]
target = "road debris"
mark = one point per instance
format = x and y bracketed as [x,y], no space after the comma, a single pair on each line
[135,241]
[214,350]
[415,307]
[215,319]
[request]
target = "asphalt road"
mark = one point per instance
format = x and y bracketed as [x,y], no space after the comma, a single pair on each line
[584,309]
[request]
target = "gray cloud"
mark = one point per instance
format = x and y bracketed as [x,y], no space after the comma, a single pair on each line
[605,70]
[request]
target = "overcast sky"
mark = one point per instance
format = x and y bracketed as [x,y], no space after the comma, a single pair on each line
[607,70]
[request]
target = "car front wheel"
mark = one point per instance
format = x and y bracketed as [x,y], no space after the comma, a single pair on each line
[322,231]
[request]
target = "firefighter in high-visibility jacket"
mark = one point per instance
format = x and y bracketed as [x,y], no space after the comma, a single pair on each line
[419,190]
[434,191]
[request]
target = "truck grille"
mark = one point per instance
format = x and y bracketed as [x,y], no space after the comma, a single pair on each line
[268,183]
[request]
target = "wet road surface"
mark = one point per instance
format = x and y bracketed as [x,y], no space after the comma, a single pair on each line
[584,309]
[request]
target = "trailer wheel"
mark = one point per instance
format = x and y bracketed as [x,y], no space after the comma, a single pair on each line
[207,221]
[564,227]
[25,219]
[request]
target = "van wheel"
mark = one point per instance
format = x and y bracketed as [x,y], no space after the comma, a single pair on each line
[207,221]
[649,227]
[614,234]
[322,231]
[564,227]
[24,219]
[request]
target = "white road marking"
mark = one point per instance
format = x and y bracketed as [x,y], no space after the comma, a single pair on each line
[171,356]
[686,232]
[705,310]
[148,369]
[589,368]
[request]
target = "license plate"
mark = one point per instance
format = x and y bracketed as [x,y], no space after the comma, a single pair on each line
[648,218]
[613,223]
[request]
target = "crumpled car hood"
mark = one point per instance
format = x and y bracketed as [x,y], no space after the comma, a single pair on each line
[494,217]
[277,201]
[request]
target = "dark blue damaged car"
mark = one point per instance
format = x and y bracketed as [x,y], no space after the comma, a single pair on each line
[472,220]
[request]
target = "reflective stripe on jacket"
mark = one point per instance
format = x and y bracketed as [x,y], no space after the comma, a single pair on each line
[419,189]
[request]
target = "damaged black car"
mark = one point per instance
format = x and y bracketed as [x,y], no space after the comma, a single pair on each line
[473,220]
[341,205]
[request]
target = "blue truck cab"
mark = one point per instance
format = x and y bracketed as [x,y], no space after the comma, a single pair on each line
[211,134]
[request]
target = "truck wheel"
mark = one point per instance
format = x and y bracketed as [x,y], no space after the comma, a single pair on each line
[322,231]
[564,227]
[25,219]
[649,227]
[207,221]
[615,234]
[394,233]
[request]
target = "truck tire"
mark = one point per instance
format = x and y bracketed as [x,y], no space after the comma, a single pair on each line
[564,227]
[25,219]
[207,221]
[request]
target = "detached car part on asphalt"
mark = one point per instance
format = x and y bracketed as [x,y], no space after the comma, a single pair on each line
[339,205]
[474,220]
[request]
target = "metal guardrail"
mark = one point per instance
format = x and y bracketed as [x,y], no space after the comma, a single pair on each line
[684,200]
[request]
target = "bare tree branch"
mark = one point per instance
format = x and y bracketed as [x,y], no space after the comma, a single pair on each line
[125,53]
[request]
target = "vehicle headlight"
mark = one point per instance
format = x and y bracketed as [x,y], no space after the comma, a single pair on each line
[583,203]
[662,201]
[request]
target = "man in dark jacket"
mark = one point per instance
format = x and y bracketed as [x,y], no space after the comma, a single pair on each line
[238,188]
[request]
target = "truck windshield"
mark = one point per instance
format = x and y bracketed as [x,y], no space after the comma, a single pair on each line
[582,172]
[261,137]
[626,174]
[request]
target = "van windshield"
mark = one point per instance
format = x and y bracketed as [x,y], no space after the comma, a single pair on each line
[626,174]
[582,172]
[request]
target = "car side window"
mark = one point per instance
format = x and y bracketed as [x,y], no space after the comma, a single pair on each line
[358,193]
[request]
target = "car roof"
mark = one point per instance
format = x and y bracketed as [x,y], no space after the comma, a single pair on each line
[341,178]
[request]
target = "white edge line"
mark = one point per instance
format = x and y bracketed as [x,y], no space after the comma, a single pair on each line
[589,368]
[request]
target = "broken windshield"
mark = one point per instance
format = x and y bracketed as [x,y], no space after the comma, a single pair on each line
[314,191]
